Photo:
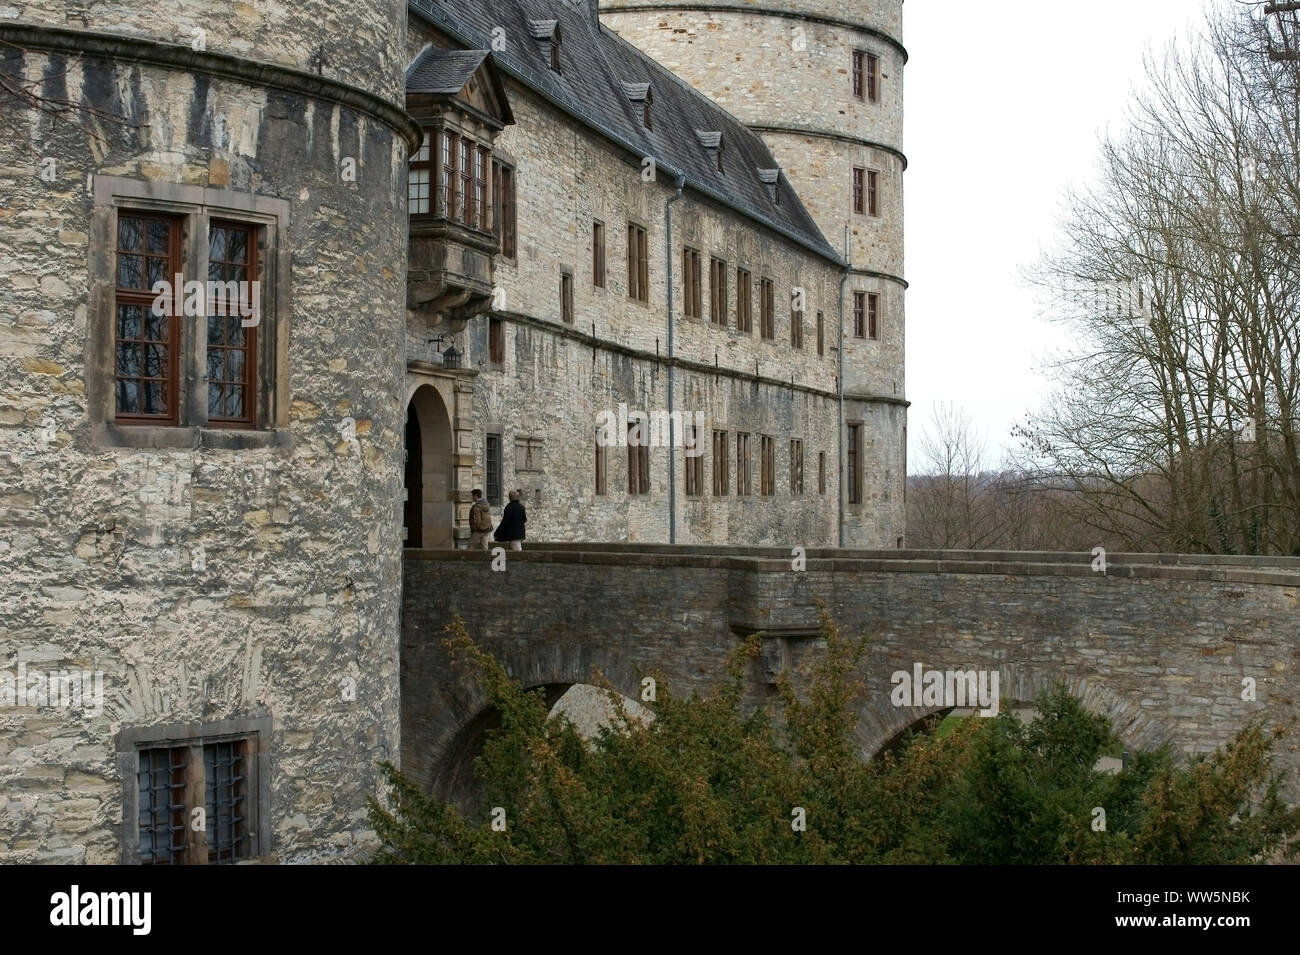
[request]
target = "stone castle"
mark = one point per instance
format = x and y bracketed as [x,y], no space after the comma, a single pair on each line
[469,235]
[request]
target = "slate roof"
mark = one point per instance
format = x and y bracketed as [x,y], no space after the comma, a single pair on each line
[443,71]
[597,67]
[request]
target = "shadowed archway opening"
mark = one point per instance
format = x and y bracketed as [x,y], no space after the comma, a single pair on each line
[429,512]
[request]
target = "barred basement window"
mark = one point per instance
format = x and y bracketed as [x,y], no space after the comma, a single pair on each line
[198,795]
[767,465]
[744,302]
[721,466]
[492,467]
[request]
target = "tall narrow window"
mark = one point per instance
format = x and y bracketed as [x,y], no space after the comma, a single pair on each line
[496,341]
[855,463]
[602,463]
[796,329]
[767,306]
[859,314]
[598,254]
[693,280]
[744,302]
[821,333]
[482,217]
[647,108]
[873,316]
[492,465]
[859,74]
[767,465]
[447,178]
[555,50]
[859,190]
[638,264]
[232,348]
[146,343]
[721,466]
[162,782]
[419,177]
[873,78]
[873,192]
[796,467]
[638,463]
[503,184]
[718,292]
[694,461]
[464,196]
[743,484]
[566,298]
[821,472]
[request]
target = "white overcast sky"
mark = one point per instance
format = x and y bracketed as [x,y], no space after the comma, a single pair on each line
[1005,104]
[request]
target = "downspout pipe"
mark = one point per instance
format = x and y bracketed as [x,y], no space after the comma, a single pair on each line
[844,280]
[672,377]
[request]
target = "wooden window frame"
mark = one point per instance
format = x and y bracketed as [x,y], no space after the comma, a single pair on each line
[638,465]
[493,471]
[821,472]
[859,74]
[250,383]
[821,334]
[873,317]
[496,341]
[143,299]
[853,462]
[767,309]
[602,466]
[796,467]
[796,329]
[721,463]
[693,282]
[638,263]
[873,193]
[694,464]
[766,465]
[428,165]
[873,78]
[566,297]
[598,277]
[859,190]
[718,272]
[505,206]
[744,479]
[744,301]
[859,314]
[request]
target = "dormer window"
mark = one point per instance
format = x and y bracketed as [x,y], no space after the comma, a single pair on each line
[643,98]
[771,178]
[712,143]
[547,33]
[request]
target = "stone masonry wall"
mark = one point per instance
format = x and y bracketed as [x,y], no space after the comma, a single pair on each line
[233,576]
[1161,650]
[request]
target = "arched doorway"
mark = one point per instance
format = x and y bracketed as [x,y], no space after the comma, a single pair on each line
[430,510]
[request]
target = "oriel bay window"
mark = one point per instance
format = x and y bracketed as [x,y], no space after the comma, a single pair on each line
[464,173]
[186,306]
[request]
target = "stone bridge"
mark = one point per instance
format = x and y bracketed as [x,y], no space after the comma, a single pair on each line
[1162,644]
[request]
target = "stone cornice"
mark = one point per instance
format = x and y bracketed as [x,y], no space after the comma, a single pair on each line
[831,134]
[757,11]
[135,49]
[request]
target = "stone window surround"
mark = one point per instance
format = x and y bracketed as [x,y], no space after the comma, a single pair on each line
[135,738]
[198,205]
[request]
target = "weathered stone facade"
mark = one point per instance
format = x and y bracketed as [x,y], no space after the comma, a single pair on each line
[223,583]
[785,69]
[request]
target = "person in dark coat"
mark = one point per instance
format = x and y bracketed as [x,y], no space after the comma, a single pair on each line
[513,519]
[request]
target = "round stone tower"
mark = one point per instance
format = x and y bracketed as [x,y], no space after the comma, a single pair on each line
[822,81]
[201,535]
